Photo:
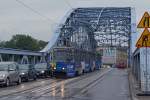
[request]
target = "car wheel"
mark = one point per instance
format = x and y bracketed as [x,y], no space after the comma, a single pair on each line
[35,77]
[7,82]
[77,73]
[27,79]
[19,81]
[83,72]
[45,75]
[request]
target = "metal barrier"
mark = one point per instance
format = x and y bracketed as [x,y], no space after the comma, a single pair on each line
[21,56]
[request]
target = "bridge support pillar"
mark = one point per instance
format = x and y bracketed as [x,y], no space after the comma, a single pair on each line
[42,59]
[13,58]
[1,58]
[25,60]
[34,60]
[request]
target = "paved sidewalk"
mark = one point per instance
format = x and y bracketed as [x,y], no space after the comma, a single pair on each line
[134,89]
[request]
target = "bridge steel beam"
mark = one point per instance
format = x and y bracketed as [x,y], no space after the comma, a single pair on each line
[83,25]
[98,27]
[19,52]
[20,56]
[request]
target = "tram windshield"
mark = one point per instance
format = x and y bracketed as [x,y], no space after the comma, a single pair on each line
[62,55]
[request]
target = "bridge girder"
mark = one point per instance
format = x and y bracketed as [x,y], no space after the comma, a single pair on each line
[90,28]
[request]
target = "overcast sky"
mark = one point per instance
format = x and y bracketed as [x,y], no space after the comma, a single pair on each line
[15,18]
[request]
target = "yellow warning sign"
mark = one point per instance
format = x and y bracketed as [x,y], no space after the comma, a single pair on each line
[145,21]
[144,40]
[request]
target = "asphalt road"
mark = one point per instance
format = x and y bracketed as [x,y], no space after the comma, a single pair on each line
[107,84]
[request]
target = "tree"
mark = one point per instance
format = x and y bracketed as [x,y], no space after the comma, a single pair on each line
[2,44]
[24,42]
[42,44]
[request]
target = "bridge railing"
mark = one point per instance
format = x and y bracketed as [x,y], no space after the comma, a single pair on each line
[21,56]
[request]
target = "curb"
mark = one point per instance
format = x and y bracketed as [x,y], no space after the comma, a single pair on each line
[130,85]
[132,95]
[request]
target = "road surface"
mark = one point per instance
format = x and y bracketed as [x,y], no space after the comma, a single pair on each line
[107,84]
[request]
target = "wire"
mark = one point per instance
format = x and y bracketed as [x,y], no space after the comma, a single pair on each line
[67,2]
[33,10]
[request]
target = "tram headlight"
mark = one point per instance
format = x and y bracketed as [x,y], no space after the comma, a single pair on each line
[63,68]
[42,71]
[54,68]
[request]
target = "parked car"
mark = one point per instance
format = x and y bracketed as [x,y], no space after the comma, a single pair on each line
[27,72]
[42,70]
[9,73]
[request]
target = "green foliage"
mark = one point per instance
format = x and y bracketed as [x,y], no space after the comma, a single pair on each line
[2,44]
[24,42]
[42,44]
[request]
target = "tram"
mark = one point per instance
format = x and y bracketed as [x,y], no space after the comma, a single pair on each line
[72,62]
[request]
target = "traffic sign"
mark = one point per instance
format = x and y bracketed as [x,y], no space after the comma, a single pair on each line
[144,40]
[145,21]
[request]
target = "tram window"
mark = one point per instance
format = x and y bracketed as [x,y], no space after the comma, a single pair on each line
[59,55]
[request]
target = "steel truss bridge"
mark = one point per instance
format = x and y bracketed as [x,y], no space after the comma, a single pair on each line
[91,28]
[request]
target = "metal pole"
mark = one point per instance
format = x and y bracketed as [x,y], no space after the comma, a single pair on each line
[1,58]
[34,60]
[13,58]
[146,69]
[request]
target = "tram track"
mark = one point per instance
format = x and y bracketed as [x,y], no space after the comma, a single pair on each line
[38,91]
[38,87]
[29,90]
[49,89]
[23,83]
[57,89]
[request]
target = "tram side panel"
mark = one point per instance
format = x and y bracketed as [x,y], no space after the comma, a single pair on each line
[79,63]
[87,64]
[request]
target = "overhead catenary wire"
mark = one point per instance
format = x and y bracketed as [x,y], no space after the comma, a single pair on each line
[35,11]
[68,3]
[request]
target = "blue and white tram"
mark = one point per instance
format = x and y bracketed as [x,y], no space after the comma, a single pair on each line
[72,62]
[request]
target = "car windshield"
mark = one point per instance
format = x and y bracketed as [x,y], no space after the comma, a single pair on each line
[4,67]
[24,67]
